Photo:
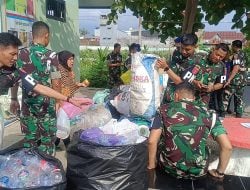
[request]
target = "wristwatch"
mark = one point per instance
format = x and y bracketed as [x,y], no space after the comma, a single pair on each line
[166,69]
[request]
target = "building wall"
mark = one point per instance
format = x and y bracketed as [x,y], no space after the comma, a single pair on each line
[108,34]
[64,35]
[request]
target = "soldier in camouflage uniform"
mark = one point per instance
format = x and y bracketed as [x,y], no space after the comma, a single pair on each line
[114,61]
[10,75]
[183,128]
[38,115]
[182,59]
[237,79]
[203,74]
[212,74]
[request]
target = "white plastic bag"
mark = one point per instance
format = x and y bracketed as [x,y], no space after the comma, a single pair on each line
[145,86]
[124,128]
[121,103]
[62,124]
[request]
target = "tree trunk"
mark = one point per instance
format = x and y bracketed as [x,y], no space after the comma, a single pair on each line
[189,16]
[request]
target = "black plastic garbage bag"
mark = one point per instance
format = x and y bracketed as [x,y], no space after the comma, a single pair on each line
[34,151]
[92,166]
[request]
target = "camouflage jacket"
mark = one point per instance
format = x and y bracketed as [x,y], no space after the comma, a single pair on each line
[209,73]
[185,129]
[239,58]
[10,77]
[179,63]
[42,64]
[114,58]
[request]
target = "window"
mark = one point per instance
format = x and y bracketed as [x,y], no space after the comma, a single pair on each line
[55,9]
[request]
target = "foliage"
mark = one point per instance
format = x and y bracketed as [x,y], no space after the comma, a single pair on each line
[166,16]
[93,67]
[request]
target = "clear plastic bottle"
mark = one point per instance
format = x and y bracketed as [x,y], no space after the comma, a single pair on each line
[56,176]
[4,181]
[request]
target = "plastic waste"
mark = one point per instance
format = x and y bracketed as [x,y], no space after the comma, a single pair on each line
[105,167]
[145,86]
[63,124]
[73,111]
[114,133]
[96,116]
[100,96]
[25,170]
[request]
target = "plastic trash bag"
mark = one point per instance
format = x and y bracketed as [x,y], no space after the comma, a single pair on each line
[96,116]
[62,124]
[30,169]
[100,96]
[121,103]
[145,86]
[126,77]
[92,166]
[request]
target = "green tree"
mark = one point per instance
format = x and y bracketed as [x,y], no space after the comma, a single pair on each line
[170,18]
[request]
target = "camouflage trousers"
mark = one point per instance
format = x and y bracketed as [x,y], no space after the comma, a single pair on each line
[39,132]
[237,91]
[114,80]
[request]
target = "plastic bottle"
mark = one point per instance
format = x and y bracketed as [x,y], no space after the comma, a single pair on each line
[45,180]
[144,131]
[23,175]
[4,181]
[56,176]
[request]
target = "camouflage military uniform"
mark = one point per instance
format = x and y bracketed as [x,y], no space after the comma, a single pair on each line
[38,116]
[114,72]
[238,83]
[209,73]
[10,77]
[182,151]
[178,65]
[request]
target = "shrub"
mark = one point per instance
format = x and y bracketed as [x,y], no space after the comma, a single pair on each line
[93,67]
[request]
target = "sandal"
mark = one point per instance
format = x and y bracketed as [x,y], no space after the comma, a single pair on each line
[216,173]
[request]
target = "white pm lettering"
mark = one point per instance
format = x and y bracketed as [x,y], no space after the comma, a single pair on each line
[236,61]
[223,79]
[30,80]
[189,76]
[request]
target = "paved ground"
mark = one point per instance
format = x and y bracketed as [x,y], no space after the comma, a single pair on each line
[13,132]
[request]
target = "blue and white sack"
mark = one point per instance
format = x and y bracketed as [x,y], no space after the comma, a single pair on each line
[145,86]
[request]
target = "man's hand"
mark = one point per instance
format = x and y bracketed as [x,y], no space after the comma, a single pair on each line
[162,63]
[198,84]
[14,107]
[78,103]
[226,84]
[207,88]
